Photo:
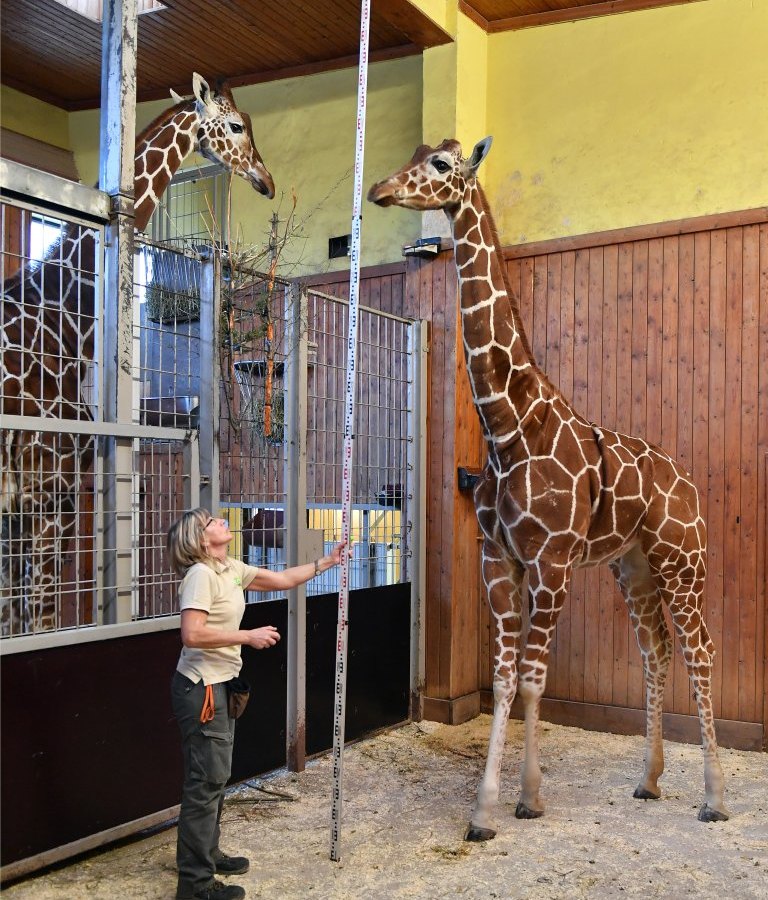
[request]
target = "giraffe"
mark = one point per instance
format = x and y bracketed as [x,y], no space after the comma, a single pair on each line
[48,329]
[557,493]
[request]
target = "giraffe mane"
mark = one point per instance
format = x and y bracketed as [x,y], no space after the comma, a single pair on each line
[513,301]
[163,119]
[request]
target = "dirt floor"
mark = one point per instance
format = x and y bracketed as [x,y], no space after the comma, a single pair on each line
[407,798]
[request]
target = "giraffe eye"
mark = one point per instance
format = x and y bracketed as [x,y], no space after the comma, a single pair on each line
[440,165]
[236,127]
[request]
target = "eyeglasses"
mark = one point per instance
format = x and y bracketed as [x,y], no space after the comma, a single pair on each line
[223,522]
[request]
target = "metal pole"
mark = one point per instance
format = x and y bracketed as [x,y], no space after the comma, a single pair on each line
[339,703]
[295,521]
[208,435]
[116,175]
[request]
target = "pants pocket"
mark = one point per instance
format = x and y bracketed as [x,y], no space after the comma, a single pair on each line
[211,756]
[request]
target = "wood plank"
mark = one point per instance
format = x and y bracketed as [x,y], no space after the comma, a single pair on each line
[594,410]
[579,400]
[756,216]
[608,591]
[762,484]
[654,353]
[750,687]
[716,464]
[732,415]
[562,377]
[639,369]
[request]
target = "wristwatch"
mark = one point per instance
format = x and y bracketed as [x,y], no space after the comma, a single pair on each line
[317,567]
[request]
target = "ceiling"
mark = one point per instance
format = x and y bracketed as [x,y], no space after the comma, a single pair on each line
[54,54]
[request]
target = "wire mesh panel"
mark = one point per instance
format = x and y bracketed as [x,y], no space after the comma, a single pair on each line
[252,424]
[192,209]
[380,460]
[49,276]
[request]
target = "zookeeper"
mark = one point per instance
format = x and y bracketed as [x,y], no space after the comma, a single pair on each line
[206,691]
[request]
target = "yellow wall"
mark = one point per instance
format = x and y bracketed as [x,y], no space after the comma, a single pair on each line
[628,119]
[305,130]
[33,118]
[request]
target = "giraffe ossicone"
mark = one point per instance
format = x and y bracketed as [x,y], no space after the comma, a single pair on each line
[557,493]
[48,335]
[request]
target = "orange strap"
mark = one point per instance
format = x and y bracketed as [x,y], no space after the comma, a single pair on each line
[209,710]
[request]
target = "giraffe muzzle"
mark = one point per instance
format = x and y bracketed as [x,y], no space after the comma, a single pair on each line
[382,194]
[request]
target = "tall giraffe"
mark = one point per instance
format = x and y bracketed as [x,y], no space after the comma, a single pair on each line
[558,493]
[48,330]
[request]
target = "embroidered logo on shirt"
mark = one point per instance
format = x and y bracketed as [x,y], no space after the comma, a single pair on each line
[238,580]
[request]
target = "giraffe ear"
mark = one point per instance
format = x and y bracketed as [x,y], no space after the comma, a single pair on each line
[175,97]
[202,92]
[479,153]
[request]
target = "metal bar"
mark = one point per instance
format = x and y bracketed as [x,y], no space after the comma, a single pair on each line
[208,444]
[295,520]
[116,174]
[342,302]
[416,494]
[354,286]
[41,188]
[101,429]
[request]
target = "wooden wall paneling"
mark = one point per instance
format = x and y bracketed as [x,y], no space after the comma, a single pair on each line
[579,398]
[678,689]
[594,411]
[717,607]
[639,419]
[700,436]
[670,363]
[435,686]
[449,398]
[560,371]
[608,592]
[762,475]
[750,686]
[732,415]
[622,646]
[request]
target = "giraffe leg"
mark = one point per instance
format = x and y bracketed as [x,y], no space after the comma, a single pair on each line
[504,582]
[548,589]
[684,602]
[637,585]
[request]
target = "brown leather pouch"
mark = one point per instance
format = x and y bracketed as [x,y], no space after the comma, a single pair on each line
[238,692]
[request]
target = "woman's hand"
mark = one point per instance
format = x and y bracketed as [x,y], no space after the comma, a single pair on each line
[334,556]
[261,638]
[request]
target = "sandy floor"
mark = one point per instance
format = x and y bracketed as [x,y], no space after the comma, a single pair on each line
[407,799]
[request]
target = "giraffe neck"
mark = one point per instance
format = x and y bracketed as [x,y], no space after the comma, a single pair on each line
[501,367]
[160,150]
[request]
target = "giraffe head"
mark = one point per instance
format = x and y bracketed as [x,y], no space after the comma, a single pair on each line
[225,135]
[435,178]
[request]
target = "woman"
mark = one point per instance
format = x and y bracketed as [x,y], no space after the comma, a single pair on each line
[212,604]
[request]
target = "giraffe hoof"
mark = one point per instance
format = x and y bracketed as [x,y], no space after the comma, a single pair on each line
[525,812]
[476,833]
[642,793]
[707,814]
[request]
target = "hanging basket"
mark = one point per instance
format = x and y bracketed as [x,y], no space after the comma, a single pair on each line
[251,376]
[173,289]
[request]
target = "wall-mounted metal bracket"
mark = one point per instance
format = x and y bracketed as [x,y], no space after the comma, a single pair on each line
[468,478]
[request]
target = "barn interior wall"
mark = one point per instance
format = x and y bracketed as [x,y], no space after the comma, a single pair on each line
[650,116]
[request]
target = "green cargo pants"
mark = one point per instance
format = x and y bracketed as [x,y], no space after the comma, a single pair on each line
[207,750]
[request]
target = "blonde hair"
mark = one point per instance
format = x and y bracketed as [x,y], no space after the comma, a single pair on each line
[185,540]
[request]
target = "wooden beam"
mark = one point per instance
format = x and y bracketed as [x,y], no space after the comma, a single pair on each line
[757,216]
[329,65]
[417,27]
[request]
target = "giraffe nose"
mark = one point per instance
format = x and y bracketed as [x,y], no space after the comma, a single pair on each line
[262,181]
[382,194]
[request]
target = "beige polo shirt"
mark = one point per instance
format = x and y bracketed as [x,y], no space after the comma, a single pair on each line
[218,590]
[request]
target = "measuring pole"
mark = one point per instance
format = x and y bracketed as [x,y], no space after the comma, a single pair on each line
[340,692]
